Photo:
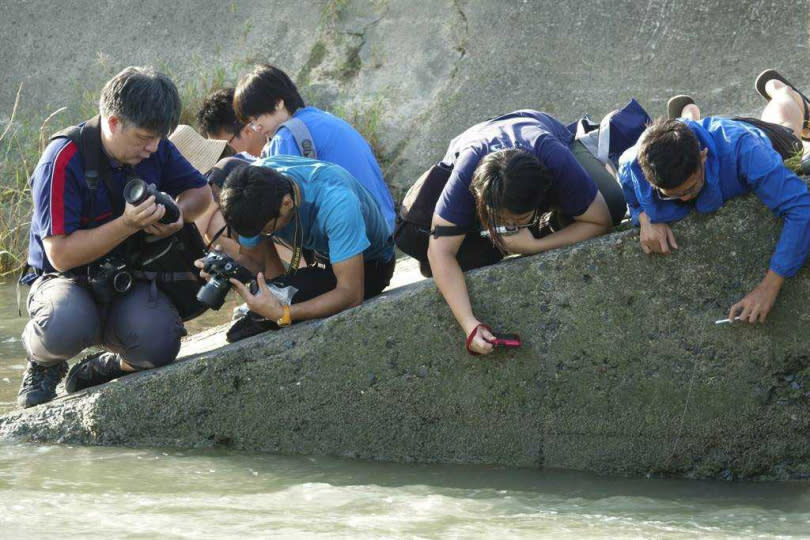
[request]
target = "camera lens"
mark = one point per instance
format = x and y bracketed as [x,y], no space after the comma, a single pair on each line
[122,281]
[135,192]
[213,293]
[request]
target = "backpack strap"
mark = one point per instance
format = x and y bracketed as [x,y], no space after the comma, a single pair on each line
[451,230]
[87,138]
[302,136]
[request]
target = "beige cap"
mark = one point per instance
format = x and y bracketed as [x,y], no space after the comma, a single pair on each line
[202,153]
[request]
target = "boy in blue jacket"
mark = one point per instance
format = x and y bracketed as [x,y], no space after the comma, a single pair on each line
[688,163]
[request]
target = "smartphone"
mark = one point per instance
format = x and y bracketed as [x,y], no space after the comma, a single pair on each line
[505,340]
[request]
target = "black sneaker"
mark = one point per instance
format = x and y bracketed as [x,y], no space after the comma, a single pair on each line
[39,383]
[247,326]
[93,370]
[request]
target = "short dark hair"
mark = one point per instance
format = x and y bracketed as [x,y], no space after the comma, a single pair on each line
[217,114]
[258,92]
[143,97]
[252,196]
[668,153]
[513,180]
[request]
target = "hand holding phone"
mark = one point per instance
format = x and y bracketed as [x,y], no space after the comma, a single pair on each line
[505,340]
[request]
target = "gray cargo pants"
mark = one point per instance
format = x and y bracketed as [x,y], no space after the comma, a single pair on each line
[142,325]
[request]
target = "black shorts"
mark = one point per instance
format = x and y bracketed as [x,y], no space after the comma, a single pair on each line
[782,138]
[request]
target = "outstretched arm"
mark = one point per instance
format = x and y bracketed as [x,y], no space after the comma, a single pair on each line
[450,281]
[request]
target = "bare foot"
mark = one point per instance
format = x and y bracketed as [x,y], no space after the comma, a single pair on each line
[774,87]
[691,111]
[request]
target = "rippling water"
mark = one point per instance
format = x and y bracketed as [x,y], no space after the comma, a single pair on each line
[62,491]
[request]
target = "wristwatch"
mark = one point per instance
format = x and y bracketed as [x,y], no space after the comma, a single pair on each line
[285,319]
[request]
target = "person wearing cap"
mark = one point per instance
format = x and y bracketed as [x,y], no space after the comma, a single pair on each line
[200,152]
[686,163]
[306,205]
[81,223]
[208,156]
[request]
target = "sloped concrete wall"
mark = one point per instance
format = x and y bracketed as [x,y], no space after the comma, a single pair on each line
[622,371]
[417,73]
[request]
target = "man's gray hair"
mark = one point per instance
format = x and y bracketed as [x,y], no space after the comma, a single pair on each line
[143,97]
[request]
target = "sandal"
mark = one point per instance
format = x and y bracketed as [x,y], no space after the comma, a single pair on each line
[772,74]
[676,104]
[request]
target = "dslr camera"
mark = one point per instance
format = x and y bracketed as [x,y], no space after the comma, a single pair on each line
[108,277]
[221,268]
[136,191]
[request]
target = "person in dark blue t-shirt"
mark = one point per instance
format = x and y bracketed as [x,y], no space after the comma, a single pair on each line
[74,227]
[684,163]
[522,179]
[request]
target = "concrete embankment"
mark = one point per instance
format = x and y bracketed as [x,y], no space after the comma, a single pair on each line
[622,370]
[413,75]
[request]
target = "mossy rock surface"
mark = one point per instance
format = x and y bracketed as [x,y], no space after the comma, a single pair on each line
[622,370]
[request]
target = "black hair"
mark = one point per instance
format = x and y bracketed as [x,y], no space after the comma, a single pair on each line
[513,180]
[252,196]
[143,97]
[258,92]
[668,153]
[217,114]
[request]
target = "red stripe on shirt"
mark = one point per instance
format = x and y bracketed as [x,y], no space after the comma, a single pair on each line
[58,187]
[98,218]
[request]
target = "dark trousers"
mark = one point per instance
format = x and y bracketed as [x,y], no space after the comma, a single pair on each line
[476,251]
[313,281]
[142,325]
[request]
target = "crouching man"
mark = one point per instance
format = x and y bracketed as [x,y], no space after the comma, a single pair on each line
[82,228]
[305,204]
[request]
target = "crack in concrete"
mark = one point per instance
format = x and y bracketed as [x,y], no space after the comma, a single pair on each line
[461,47]
[400,148]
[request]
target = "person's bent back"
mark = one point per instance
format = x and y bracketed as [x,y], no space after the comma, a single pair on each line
[306,205]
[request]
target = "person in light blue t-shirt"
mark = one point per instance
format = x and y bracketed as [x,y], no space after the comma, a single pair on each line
[266,98]
[305,204]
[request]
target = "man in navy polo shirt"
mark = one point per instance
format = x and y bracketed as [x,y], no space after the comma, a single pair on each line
[71,234]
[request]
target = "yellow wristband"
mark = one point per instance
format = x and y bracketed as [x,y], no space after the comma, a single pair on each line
[286,318]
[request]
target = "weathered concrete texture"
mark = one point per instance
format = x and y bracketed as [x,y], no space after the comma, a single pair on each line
[415,74]
[621,371]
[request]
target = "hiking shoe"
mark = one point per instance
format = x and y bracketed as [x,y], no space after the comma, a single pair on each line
[247,326]
[93,370]
[39,383]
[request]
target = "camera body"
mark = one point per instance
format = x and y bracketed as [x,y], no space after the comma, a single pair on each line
[136,191]
[109,277]
[221,268]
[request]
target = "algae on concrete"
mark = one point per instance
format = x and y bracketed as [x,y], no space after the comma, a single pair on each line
[622,370]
